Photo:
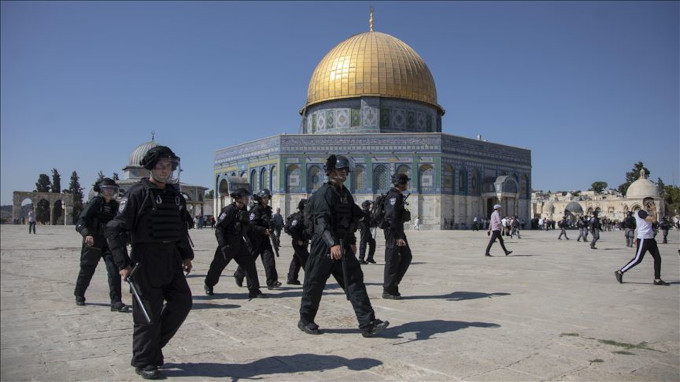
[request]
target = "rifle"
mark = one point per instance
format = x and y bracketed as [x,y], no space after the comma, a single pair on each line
[343,260]
[136,293]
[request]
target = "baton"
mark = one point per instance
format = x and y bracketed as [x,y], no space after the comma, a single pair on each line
[271,241]
[344,268]
[136,294]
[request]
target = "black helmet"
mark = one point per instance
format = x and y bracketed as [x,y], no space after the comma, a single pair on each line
[264,193]
[104,182]
[366,203]
[336,162]
[301,204]
[239,192]
[155,153]
[400,179]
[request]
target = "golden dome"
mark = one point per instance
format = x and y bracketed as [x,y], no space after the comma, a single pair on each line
[372,64]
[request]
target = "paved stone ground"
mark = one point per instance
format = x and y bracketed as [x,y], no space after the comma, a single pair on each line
[550,311]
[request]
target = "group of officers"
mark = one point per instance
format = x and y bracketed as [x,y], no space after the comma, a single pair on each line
[152,218]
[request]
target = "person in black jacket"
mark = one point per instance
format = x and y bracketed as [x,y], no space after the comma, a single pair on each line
[233,243]
[397,251]
[335,218]
[629,226]
[153,217]
[91,223]
[595,228]
[366,235]
[260,234]
[295,227]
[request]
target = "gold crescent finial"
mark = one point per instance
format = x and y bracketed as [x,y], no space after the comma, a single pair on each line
[370,19]
[153,134]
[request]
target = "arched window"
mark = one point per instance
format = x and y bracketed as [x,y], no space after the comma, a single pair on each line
[314,178]
[523,185]
[253,181]
[447,179]
[474,189]
[404,169]
[359,178]
[224,187]
[380,182]
[426,179]
[274,183]
[293,179]
[462,180]
[264,178]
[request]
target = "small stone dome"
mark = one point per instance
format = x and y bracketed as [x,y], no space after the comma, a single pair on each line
[140,151]
[642,188]
[574,208]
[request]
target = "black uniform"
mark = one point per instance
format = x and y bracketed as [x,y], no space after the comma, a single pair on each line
[366,237]
[397,259]
[629,229]
[595,228]
[260,220]
[335,216]
[300,242]
[665,225]
[231,230]
[91,222]
[155,220]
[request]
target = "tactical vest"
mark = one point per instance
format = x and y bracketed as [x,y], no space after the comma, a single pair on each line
[161,220]
[104,213]
[342,210]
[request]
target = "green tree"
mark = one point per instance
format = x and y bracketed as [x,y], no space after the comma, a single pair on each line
[632,176]
[77,192]
[43,184]
[661,186]
[672,199]
[56,181]
[115,177]
[56,188]
[598,186]
[210,194]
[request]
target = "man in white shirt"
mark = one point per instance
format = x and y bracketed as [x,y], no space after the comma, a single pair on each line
[645,242]
[495,227]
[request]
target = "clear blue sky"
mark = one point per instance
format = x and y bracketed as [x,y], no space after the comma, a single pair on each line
[590,87]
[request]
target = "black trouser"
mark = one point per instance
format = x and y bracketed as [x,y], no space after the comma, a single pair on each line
[596,237]
[298,261]
[317,271]
[563,232]
[644,245]
[582,233]
[630,236]
[31,225]
[244,259]
[89,258]
[397,261]
[665,236]
[366,238]
[495,235]
[167,297]
[267,261]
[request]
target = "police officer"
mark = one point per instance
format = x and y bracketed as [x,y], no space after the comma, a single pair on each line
[232,243]
[665,225]
[629,229]
[582,226]
[259,233]
[366,235]
[333,251]
[563,228]
[295,227]
[397,251]
[91,223]
[153,215]
[595,228]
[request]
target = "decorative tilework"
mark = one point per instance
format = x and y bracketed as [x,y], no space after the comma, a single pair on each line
[399,119]
[321,122]
[356,117]
[342,118]
[384,117]
[330,119]
[370,117]
[411,120]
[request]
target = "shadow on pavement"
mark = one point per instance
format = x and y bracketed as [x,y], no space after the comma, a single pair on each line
[271,365]
[457,296]
[425,330]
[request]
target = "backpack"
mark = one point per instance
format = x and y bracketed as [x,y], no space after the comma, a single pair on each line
[294,229]
[308,216]
[378,212]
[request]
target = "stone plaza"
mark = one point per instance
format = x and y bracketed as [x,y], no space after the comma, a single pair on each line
[550,311]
